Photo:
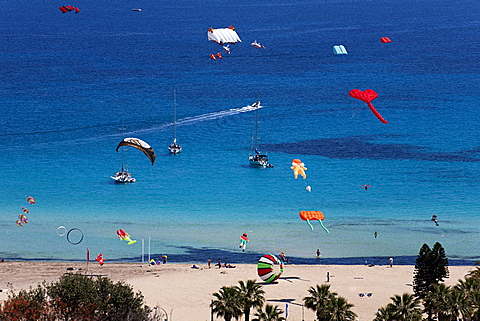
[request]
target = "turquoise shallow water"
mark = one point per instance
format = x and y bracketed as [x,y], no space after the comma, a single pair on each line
[65,79]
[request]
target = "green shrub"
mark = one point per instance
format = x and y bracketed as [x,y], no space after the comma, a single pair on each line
[77,297]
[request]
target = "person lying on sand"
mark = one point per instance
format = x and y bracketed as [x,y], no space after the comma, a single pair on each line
[228,265]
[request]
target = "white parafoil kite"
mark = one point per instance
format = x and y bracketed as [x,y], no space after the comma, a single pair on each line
[223,35]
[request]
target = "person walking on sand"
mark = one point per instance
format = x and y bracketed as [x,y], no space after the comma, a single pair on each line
[391,262]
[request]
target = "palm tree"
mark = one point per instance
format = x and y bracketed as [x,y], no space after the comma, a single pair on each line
[476,302]
[227,303]
[327,306]
[467,289]
[405,308]
[318,299]
[475,273]
[339,310]
[251,296]
[383,315]
[271,313]
[445,302]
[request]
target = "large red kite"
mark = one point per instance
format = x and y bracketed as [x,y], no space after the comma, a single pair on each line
[367,96]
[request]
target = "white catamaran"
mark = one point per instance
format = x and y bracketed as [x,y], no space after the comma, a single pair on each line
[175,148]
[256,158]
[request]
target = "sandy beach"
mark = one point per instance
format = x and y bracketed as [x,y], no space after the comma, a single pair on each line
[185,293]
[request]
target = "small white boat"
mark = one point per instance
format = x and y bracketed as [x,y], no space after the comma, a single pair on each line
[175,148]
[137,9]
[256,104]
[256,158]
[123,177]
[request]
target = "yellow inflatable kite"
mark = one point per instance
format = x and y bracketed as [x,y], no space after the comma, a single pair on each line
[298,168]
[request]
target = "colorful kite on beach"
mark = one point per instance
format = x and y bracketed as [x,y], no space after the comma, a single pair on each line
[243,241]
[22,219]
[298,168]
[367,96]
[313,215]
[74,236]
[124,236]
[140,145]
[265,268]
[61,231]
[100,259]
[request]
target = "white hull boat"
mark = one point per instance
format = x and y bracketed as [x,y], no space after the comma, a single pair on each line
[256,158]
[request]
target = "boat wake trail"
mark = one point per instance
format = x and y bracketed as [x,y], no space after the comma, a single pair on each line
[199,118]
[218,114]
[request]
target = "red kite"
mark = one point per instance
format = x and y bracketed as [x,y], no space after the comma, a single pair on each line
[367,96]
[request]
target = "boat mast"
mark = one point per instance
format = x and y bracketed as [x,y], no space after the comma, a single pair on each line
[255,132]
[175,115]
[123,137]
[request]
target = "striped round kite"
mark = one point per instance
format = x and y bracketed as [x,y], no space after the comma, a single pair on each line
[265,268]
[31,200]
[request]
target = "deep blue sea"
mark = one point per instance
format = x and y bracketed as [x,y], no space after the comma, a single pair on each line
[65,79]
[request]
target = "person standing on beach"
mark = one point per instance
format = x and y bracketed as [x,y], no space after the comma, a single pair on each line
[219,263]
[391,262]
[209,262]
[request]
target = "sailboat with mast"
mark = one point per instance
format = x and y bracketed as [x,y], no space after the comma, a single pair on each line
[257,158]
[123,176]
[175,148]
